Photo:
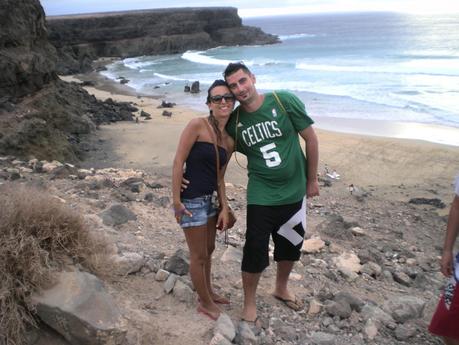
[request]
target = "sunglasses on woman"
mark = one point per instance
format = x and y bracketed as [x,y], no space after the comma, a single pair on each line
[218,98]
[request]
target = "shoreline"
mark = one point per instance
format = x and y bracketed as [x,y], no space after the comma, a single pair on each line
[429,132]
[360,159]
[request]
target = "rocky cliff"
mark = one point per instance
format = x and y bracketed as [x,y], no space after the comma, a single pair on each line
[81,39]
[27,59]
[39,114]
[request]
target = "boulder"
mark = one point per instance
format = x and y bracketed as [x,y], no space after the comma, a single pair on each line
[116,215]
[195,87]
[79,308]
[179,263]
[404,308]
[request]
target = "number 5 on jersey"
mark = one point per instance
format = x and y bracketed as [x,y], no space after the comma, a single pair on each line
[271,157]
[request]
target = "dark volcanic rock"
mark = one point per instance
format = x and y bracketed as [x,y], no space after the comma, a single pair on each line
[426,201]
[55,122]
[27,59]
[83,38]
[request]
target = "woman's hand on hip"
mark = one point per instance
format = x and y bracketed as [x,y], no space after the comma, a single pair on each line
[179,211]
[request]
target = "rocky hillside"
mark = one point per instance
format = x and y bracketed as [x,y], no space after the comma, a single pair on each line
[39,114]
[368,273]
[83,38]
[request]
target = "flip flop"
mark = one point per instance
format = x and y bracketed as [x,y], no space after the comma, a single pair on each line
[255,326]
[294,304]
[201,310]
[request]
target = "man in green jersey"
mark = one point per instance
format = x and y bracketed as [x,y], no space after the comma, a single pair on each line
[265,128]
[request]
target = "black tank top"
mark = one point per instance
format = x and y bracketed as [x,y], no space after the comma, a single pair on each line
[201,169]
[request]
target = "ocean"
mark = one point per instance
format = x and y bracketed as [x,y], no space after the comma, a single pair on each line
[389,67]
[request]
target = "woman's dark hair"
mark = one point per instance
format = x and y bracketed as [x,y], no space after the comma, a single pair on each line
[212,120]
[218,82]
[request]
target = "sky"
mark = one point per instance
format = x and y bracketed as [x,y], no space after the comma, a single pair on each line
[257,8]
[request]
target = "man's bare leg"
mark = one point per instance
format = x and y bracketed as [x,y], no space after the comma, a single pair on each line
[249,284]
[283,271]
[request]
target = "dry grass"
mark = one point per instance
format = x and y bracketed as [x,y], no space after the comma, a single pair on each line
[37,235]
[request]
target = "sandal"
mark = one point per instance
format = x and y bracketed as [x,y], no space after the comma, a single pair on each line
[255,326]
[294,304]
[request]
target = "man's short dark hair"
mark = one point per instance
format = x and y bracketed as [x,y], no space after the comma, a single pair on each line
[234,67]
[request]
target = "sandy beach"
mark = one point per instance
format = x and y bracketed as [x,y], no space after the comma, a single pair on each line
[359,159]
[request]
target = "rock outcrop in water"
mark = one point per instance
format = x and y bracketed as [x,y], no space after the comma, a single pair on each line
[80,39]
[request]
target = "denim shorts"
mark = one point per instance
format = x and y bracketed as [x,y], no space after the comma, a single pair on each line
[201,208]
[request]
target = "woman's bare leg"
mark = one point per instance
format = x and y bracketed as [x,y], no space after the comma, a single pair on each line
[197,239]
[212,233]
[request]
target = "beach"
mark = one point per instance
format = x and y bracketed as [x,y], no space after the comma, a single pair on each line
[359,159]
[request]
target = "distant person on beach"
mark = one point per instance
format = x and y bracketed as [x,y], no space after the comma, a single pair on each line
[194,207]
[445,320]
[265,128]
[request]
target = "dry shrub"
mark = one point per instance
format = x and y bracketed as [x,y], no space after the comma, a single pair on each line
[38,233]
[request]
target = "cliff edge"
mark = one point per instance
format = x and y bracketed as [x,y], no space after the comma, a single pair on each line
[40,115]
[80,39]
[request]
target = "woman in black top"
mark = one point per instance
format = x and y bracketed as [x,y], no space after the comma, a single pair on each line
[194,207]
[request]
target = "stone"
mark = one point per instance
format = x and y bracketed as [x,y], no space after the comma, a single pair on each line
[79,308]
[322,338]
[245,334]
[372,269]
[149,197]
[127,263]
[48,167]
[371,329]
[404,332]
[376,314]
[161,275]
[225,326]
[404,308]
[411,262]
[402,278]
[314,307]
[313,245]
[358,231]
[117,214]
[219,339]
[179,263]
[183,293]
[354,302]
[170,283]
[339,308]
[428,201]
[63,171]
[195,87]
[348,264]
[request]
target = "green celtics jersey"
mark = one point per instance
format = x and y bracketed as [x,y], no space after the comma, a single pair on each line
[269,138]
